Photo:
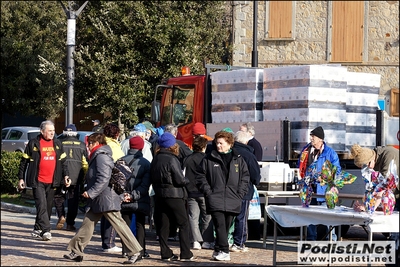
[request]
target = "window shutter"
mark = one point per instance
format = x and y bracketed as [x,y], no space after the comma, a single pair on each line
[394,103]
[347,31]
[280,19]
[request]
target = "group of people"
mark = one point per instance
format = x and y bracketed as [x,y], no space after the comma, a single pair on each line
[317,152]
[202,191]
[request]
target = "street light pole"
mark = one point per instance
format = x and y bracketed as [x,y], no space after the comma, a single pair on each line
[71,29]
[254,53]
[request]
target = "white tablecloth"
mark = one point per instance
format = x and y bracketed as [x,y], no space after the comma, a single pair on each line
[296,216]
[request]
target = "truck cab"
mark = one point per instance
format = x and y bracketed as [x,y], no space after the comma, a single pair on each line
[182,103]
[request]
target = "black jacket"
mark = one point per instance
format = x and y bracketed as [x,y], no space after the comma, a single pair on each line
[190,164]
[138,185]
[252,164]
[77,158]
[31,158]
[223,193]
[167,176]
[184,151]
[258,151]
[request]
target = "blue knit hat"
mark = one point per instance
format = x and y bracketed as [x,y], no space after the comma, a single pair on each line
[166,140]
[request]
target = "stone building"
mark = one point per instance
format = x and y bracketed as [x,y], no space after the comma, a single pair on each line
[361,35]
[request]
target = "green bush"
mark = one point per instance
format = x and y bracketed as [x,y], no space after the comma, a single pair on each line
[9,171]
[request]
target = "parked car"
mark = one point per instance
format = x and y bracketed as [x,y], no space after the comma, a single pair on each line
[15,138]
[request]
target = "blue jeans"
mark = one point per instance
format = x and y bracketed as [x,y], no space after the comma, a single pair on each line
[240,232]
[108,234]
[312,228]
[200,222]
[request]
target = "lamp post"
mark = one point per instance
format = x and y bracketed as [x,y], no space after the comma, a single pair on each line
[71,29]
[254,53]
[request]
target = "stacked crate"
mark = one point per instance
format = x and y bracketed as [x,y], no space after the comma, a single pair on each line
[237,95]
[308,96]
[361,105]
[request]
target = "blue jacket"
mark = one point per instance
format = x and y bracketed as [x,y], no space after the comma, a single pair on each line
[327,154]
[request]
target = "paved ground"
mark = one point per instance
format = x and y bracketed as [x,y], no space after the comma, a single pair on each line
[19,249]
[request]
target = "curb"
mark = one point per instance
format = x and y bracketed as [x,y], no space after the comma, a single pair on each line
[24,209]
[18,208]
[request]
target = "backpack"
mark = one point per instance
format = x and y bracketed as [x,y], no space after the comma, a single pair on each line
[120,175]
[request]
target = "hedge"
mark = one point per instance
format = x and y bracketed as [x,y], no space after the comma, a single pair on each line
[9,171]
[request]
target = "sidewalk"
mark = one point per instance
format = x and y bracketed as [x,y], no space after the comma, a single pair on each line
[19,249]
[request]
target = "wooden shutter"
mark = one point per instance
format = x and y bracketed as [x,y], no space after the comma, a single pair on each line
[280,19]
[394,103]
[347,31]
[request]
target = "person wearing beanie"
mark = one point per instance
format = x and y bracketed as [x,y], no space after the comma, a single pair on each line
[313,155]
[70,127]
[170,197]
[184,150]
[199,129]
[379,160]
[223,177]
[136,203]
[77,162]
[138,130]
[136,143]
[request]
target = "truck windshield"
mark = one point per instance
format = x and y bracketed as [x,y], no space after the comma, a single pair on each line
[177,107]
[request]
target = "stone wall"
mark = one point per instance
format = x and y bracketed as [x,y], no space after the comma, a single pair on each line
[311,36]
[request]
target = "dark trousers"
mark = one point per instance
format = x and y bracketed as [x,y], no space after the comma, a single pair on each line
[222,222]
[43,195]
[140,228]
[108,234]
[240,232]
[72,196]
[165,210]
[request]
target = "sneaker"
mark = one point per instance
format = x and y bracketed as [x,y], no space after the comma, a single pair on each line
[190,259]
[146,255]
[222,256]
[60,223]
[36,233]
[208,245]
[132,259]
[172,258]
[196,245]
[215,254]
[236,248]
[70,228]
[114,249]
[74,257]
[46,236]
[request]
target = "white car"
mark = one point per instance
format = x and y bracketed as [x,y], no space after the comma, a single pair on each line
[15,138]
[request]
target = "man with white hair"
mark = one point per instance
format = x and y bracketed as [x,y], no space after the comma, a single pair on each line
[253,142]
[241,228]
[138,130]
